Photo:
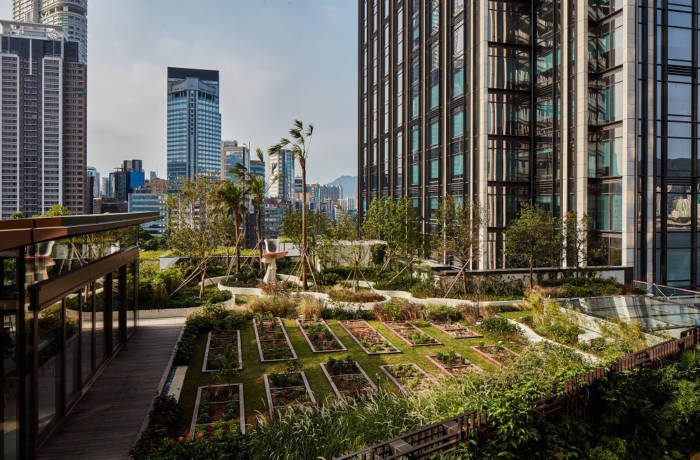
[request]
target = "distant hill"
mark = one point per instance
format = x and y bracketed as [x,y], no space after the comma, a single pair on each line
[349,184]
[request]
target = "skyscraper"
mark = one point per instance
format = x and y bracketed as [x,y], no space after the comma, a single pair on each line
[281,167]
[70,15]
[232,155]
[574,105]
[43,119]
[194,124]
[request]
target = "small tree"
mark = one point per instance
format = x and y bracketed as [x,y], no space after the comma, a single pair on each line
[299,145]
[195,216]
[317,225]
[459,238]
[17,215]
[56,210]
[234,196]
[534,239]
[397,223]
[257,189]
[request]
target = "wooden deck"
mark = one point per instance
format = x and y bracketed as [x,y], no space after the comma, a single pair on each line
[106,421]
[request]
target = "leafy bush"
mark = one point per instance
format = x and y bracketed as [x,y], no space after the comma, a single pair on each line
[499,326]
[283,306]
[342,294]
[343,314]
[164,420]
[442,313]
[398,309]
[585,286]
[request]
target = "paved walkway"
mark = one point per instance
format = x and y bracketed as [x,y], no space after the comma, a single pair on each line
[534,337]
[106,421]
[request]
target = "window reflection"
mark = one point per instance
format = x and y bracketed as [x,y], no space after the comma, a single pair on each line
[48,374]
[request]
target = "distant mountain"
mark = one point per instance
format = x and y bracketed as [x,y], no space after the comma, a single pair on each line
[349,184]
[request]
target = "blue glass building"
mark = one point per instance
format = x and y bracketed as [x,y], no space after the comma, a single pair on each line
[194,124]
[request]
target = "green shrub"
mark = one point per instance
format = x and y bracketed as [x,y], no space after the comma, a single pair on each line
[499,326]
[398,309]
[212,317]
[343,314]
[442,313]
[283,306]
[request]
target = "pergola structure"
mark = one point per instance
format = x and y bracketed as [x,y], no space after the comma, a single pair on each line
[68,304]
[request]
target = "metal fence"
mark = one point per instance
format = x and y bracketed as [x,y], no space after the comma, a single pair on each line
[445,436]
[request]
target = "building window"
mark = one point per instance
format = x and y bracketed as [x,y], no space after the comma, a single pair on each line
[458,79]
[434,95]
[434,169]
[457,165]
[434,132]
[415,174]
[415,139]
[458,123]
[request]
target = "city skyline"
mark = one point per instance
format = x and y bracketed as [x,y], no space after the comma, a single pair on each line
[128,119]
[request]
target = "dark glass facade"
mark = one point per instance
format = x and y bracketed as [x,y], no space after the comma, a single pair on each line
[68,302]
[506,102]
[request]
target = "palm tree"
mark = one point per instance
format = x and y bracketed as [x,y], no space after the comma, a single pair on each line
[299,146]
[234,196]
[257,189]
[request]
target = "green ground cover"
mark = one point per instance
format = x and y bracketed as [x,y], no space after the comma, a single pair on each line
[253,369]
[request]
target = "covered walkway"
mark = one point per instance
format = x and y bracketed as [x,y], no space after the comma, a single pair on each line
[106,421]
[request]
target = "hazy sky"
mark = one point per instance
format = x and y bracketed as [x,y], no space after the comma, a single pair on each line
[278,60]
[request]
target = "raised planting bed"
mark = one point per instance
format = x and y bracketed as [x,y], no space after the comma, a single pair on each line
[368,338]
[223,352]
[453,363]
[347,378]
[319,336]
[496,354]
[272,339]
[408,377]
[285,389]
[411,334]
[456,330]
[217,406]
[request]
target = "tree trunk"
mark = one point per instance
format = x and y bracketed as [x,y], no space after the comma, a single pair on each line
[464,279]
[260,235]
[237,236]
[531,274]
[201,283]
[304,243]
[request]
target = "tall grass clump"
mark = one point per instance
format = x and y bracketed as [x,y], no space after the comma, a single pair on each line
[283,306]
[309,307]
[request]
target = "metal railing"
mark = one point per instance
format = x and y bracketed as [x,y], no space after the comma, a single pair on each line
[447,435]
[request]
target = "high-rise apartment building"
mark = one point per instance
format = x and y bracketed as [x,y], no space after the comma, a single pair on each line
[42,120]
[70,15]
[257,168]
[233,155]
[281,168]
[194,124]
[576,105]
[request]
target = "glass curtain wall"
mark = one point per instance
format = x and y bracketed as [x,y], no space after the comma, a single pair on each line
[509,117]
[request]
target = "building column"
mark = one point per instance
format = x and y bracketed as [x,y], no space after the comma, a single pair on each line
[629,132]
[649,258]
[581,110]
[564,115]
[481,48]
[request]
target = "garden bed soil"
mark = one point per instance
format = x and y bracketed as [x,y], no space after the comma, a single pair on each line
[495,354]
[354,383]
[273,342]
[408,377]
[461,366]
[456,330]
[411,334]
[281,396]
[216,404]
[217,342]
[367,337]
[323,340]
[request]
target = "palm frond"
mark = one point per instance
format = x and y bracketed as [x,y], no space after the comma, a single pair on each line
[259,153]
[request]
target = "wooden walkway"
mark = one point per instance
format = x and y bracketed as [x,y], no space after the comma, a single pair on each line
[106,421]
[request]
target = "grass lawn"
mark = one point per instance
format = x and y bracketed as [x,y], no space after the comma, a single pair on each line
[253,369]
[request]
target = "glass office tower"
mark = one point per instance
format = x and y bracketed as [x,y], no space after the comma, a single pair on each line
[194,124]
[588,106]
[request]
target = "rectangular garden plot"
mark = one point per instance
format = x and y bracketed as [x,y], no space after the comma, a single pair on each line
[368,338]
[347,378]
[223,352]
[408,377]
[319,336]
[453,363]
[273,341]
[216,405]
[456,330]
[285,389]
[411,334]
[495,354]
